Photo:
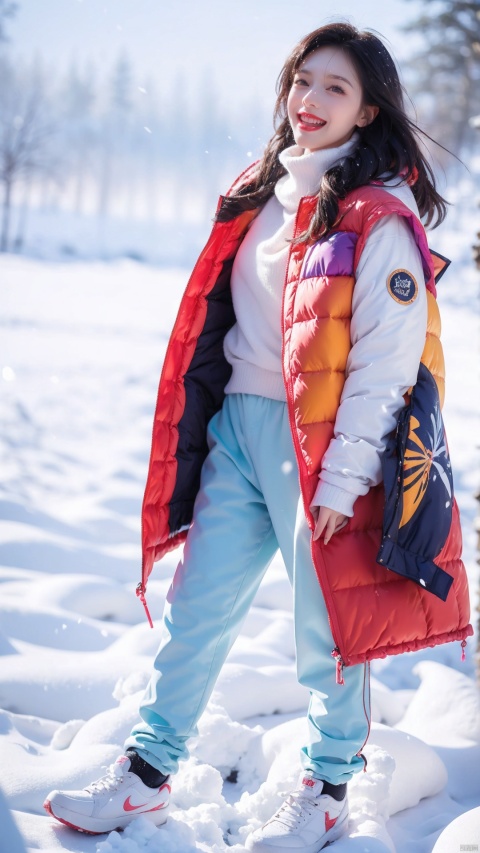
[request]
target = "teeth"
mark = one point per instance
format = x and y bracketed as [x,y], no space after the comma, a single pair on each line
[311,121]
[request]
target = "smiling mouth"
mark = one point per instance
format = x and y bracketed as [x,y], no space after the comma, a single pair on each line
[310,122]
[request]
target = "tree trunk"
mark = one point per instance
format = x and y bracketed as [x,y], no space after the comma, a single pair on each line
[19,240]
[79,182]
[6,216]
[105,179]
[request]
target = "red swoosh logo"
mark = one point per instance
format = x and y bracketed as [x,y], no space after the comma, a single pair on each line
[329,822]
[127,806]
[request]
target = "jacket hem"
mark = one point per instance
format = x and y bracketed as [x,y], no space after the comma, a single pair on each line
[408,646]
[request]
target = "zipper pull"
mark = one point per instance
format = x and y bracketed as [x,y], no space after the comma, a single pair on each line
[463,644]
[141,595]
[365,762]
[339,667]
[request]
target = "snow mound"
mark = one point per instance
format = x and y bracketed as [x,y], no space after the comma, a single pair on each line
[65,734]
[141,836]
[221,741]
[65,686]
[433,712]
[54,628]
[138,640]
[6,648]
[97,597]
[463,833]
[11,837]
[388,706]
[245,692]
[419,771]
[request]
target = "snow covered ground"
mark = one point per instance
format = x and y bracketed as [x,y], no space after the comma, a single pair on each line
[81,348]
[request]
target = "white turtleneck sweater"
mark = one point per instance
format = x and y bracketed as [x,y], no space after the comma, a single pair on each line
[253,346]
[387,337]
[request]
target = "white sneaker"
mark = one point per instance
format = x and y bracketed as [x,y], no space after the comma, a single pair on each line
[111,802]
[305,823]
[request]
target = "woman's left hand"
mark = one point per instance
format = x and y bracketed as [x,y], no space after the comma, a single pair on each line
[330,521]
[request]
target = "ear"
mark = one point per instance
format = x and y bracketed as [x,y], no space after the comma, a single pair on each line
[369,114]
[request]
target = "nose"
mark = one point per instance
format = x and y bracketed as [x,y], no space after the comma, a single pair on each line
[310,98]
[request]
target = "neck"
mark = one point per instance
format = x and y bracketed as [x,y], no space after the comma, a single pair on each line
[305,170]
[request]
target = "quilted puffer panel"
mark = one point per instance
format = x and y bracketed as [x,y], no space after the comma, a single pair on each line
[332,255]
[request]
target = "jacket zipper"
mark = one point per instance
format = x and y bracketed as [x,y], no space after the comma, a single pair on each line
[339,666]
[328,599]
[140,591]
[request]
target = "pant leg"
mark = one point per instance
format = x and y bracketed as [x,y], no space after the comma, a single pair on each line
[228,548]
[338,715]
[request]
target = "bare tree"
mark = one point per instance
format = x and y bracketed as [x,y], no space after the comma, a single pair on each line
[26,132]
[7,10]
[148,142]
[78,127]
[444,74]
[115,135]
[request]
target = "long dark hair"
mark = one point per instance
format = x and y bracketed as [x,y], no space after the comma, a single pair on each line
[389,144]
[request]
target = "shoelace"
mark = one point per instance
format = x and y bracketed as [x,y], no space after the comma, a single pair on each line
[294,808]
[110,782]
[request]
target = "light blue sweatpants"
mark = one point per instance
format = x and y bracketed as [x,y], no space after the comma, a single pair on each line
[248,506]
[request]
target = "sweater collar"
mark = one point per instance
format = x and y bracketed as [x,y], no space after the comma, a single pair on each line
[305,170]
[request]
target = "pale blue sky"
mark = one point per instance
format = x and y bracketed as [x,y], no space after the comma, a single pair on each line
[244,42]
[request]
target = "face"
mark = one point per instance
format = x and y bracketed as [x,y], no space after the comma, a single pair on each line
[325,103]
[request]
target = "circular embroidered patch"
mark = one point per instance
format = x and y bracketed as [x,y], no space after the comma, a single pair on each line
[402,286]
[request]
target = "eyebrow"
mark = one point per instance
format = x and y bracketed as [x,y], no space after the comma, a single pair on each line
[331,76]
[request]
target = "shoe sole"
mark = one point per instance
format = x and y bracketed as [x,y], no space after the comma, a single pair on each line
[335,832]
[97,826]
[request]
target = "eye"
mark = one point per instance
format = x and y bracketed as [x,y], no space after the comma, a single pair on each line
[300,81]
[337,89]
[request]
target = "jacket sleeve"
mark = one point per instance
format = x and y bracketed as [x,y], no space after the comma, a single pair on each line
[388,336]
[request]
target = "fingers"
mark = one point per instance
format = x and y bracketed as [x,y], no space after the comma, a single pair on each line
[321,522]
[328,522]
[329,529]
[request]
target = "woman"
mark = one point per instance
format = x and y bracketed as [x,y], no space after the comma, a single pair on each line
[301,329]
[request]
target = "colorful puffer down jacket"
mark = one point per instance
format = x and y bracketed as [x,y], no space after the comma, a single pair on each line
[373,612]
